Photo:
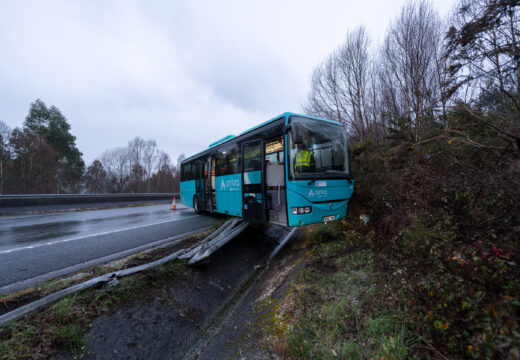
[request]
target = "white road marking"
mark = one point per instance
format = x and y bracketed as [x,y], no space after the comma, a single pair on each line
[88,236]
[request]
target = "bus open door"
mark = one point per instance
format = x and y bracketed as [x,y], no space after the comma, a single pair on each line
[253,189]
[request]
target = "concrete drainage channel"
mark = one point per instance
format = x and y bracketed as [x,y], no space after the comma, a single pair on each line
[251,267]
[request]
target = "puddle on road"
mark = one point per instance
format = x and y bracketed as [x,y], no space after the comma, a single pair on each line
[39,232]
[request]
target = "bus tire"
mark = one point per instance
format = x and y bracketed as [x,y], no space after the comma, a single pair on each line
[249,200]
[196,205]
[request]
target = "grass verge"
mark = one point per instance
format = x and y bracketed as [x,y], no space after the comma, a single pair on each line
[339,305]
[63,325]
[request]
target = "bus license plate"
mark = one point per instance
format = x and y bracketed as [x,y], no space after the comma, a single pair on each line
[329,218]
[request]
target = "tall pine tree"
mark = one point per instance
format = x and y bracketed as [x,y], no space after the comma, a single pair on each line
[53,126]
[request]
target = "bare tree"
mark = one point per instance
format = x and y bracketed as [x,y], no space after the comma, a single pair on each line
[483,41]
[376,120]
[144,155]
[150,157]
[140,166]
[409,73]
[5,135]
[136,149]
[163,170]
[341,87]
[117,165]
[443,74]
[166,178]
[354,67]
[324,97]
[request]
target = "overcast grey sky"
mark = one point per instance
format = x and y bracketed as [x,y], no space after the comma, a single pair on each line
[184,73]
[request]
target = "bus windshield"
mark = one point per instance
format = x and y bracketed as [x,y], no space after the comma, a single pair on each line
[317,150]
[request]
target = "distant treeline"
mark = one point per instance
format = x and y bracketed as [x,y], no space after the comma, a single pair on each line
[42,158]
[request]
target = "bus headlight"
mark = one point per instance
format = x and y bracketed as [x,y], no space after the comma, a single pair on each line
[301,210]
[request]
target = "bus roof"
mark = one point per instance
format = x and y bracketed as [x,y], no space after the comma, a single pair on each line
[228,138]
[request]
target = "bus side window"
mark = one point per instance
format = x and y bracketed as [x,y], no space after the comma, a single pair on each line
[274,151]
[189,175]
[187,171]
[193,170]
[233,161]
[222,168]
[252,159]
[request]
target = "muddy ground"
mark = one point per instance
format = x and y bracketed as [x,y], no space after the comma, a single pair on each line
[208,312]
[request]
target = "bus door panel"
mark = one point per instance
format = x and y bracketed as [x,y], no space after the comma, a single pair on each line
[199,185]
[207,187]
[213,165]
[275,180]
[253,186]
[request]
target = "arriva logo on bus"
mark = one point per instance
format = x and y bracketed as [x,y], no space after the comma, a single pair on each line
[318,193]
[230,185]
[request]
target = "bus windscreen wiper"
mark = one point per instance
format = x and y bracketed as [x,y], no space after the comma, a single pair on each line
[344,176]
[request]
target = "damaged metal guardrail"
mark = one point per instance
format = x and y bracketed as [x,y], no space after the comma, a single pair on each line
[198,252]
[282,243]
[215,241]
[110,278]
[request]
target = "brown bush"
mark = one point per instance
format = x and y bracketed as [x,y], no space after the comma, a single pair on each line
[446,213]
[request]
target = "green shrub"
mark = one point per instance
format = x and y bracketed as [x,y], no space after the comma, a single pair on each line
[325,233]
[70,337]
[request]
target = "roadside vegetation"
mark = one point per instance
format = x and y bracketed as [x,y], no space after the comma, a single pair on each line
[433,116]
[342,303]
[62,326]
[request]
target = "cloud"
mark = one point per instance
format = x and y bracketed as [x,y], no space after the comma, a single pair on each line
[184,73]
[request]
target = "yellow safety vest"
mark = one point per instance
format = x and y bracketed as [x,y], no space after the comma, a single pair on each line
[303,159]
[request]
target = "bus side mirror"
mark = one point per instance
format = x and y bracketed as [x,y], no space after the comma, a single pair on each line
[297,134]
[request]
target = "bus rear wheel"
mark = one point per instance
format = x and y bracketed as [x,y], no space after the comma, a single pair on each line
[196,205]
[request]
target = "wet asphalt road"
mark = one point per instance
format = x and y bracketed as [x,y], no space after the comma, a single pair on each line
[20,210]
[34,245]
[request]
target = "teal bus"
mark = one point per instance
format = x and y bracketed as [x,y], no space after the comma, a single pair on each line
[292,170]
